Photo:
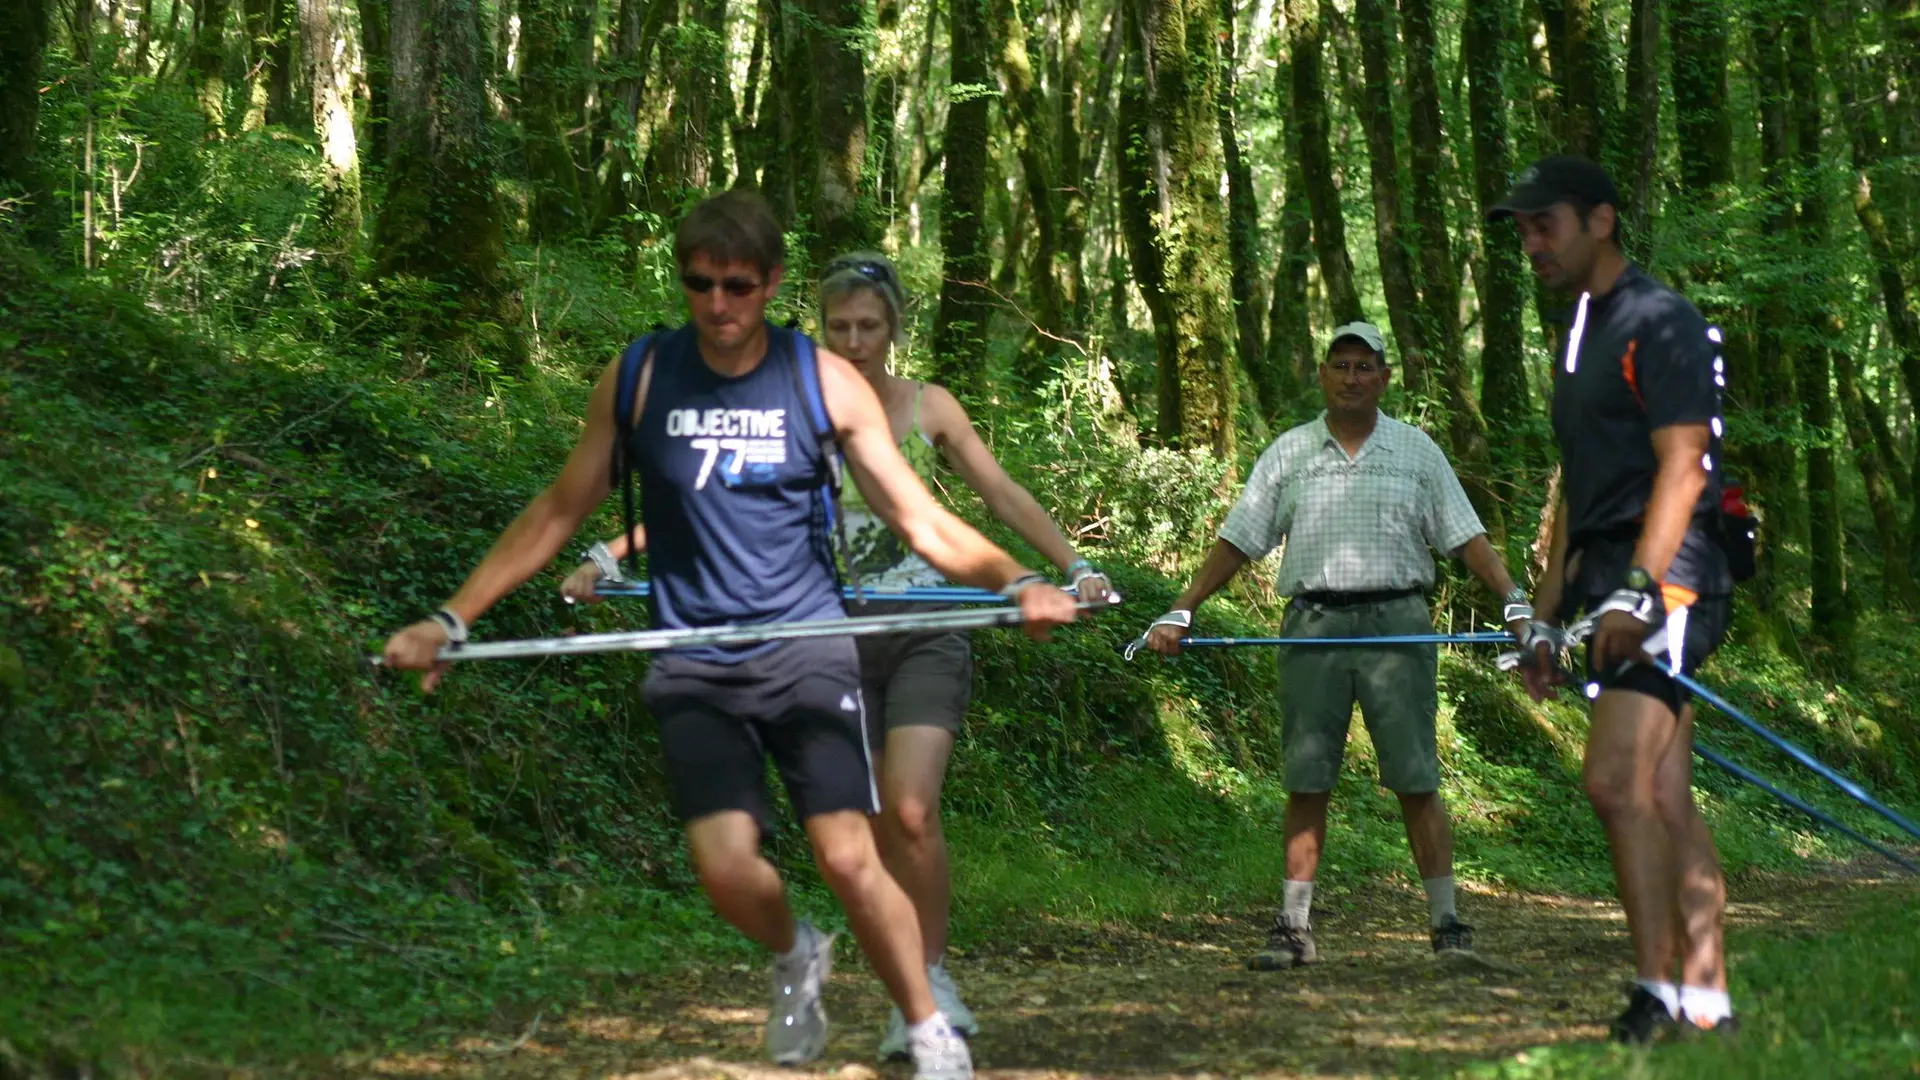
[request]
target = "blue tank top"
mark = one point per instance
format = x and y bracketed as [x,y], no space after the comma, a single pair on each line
[730,476]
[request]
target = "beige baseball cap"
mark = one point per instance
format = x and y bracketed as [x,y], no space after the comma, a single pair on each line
[1365,331]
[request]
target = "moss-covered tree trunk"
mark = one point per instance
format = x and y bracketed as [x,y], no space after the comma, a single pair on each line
[1307,115]
[1140,170]
[1814,362]
[338,206]
[543,116]
[1197,388]
[1290,345]
[842,205]
[635,33]
[440,221]
[257,19]
[209,65]
[23,40]
[1504,397]
[747,152]
[1576,43]
[1760,382]
[1879,478]
[1383,165]
[960,326]
[1030,130]
[1439,281]
[281,98]
[1243,228]
[1080,155]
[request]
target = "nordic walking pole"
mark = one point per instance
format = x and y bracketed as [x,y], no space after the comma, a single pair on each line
[1797,804]
[657,640]
[934,594]
[1477,637]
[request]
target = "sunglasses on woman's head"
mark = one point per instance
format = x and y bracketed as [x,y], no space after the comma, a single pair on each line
[734,286]
[872,271]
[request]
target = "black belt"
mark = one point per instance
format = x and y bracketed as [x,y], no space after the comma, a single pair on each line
[1355,599]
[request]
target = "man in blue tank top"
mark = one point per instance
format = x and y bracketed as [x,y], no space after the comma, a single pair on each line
[730,472]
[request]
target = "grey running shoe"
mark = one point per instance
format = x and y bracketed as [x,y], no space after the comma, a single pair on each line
[946,998]
[1452,936]
[893,1045]
[940,1053]
[797,1024]
[1287,946]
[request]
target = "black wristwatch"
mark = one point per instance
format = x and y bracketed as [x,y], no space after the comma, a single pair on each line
[1639,580]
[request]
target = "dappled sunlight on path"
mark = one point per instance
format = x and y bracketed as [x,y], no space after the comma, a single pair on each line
[1072,1002]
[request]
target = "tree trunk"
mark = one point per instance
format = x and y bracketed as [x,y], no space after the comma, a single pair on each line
[1306,33]
[844,218]
[1025,114]
[634,40]
[1641,148]
[373,51]
[1439,277]
[1084,169]
[23,39]
[960,327]
[1504,396]
[746,147]
[1758,389]
[1698,33]
[884,125]
[258,19]
[1140,169]
[440,220]
[1876,474]
[1576,41]
[329,77]
[1813,367]
[1197,388]
[1862,126]
[1290,346]
[209,66]
[543,115]
[1383,166]
[1243,229]
[280,92]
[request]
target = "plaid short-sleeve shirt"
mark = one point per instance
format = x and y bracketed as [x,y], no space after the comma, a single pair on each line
[1352,524]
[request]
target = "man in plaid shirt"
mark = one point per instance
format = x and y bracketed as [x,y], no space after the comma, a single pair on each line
[1359,499]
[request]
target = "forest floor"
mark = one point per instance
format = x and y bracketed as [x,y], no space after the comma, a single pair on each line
[1174,1000]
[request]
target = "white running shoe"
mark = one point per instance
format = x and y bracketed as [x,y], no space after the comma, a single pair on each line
[939,1052]
[797,1023]
[946,998]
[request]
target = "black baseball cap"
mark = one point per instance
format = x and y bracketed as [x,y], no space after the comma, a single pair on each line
[1559,178]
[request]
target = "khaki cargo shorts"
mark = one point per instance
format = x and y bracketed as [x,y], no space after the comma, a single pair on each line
[1395,686]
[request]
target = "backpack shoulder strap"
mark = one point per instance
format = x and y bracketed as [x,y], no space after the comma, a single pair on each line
[626,382]
[806,370]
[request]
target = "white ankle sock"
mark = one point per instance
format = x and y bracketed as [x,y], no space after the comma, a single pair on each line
[1667,992]
[930,1026]
[1299,904]
[1703,1006]
[1440,900]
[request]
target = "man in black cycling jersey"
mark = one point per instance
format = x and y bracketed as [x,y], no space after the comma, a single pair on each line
[1636,413]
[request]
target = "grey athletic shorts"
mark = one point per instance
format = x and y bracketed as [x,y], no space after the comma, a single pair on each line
[914,680]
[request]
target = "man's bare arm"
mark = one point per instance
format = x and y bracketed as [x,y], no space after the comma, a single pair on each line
[1681,450]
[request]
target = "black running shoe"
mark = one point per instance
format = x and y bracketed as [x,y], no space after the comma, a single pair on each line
[1287,946]
[1645,1017]
[1726,1028]
[1452,936]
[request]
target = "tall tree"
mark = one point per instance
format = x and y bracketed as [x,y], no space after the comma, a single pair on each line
[1439,279]
[960,327]
[23,38]
[1813,366]
[210,64]
[1877,476]
[1640,149]
[322,33]
[1197,389]
[1243,225]
[1030,130]
[544,118]
[440,221]
[1290,346]
[257,17]
[1504,398]
[373,51]
[1383,166]
[844,217]
[1307,114]
[1576,40]
[1760,391]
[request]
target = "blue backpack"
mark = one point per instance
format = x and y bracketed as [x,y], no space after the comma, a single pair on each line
[806,375]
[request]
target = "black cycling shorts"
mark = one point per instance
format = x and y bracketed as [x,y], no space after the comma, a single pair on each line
[1701,626]
[798,703]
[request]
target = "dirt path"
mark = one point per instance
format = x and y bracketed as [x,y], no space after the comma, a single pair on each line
[1174,1000]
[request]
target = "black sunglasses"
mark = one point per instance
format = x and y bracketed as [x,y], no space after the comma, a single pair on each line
[868,269]
[734,286]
